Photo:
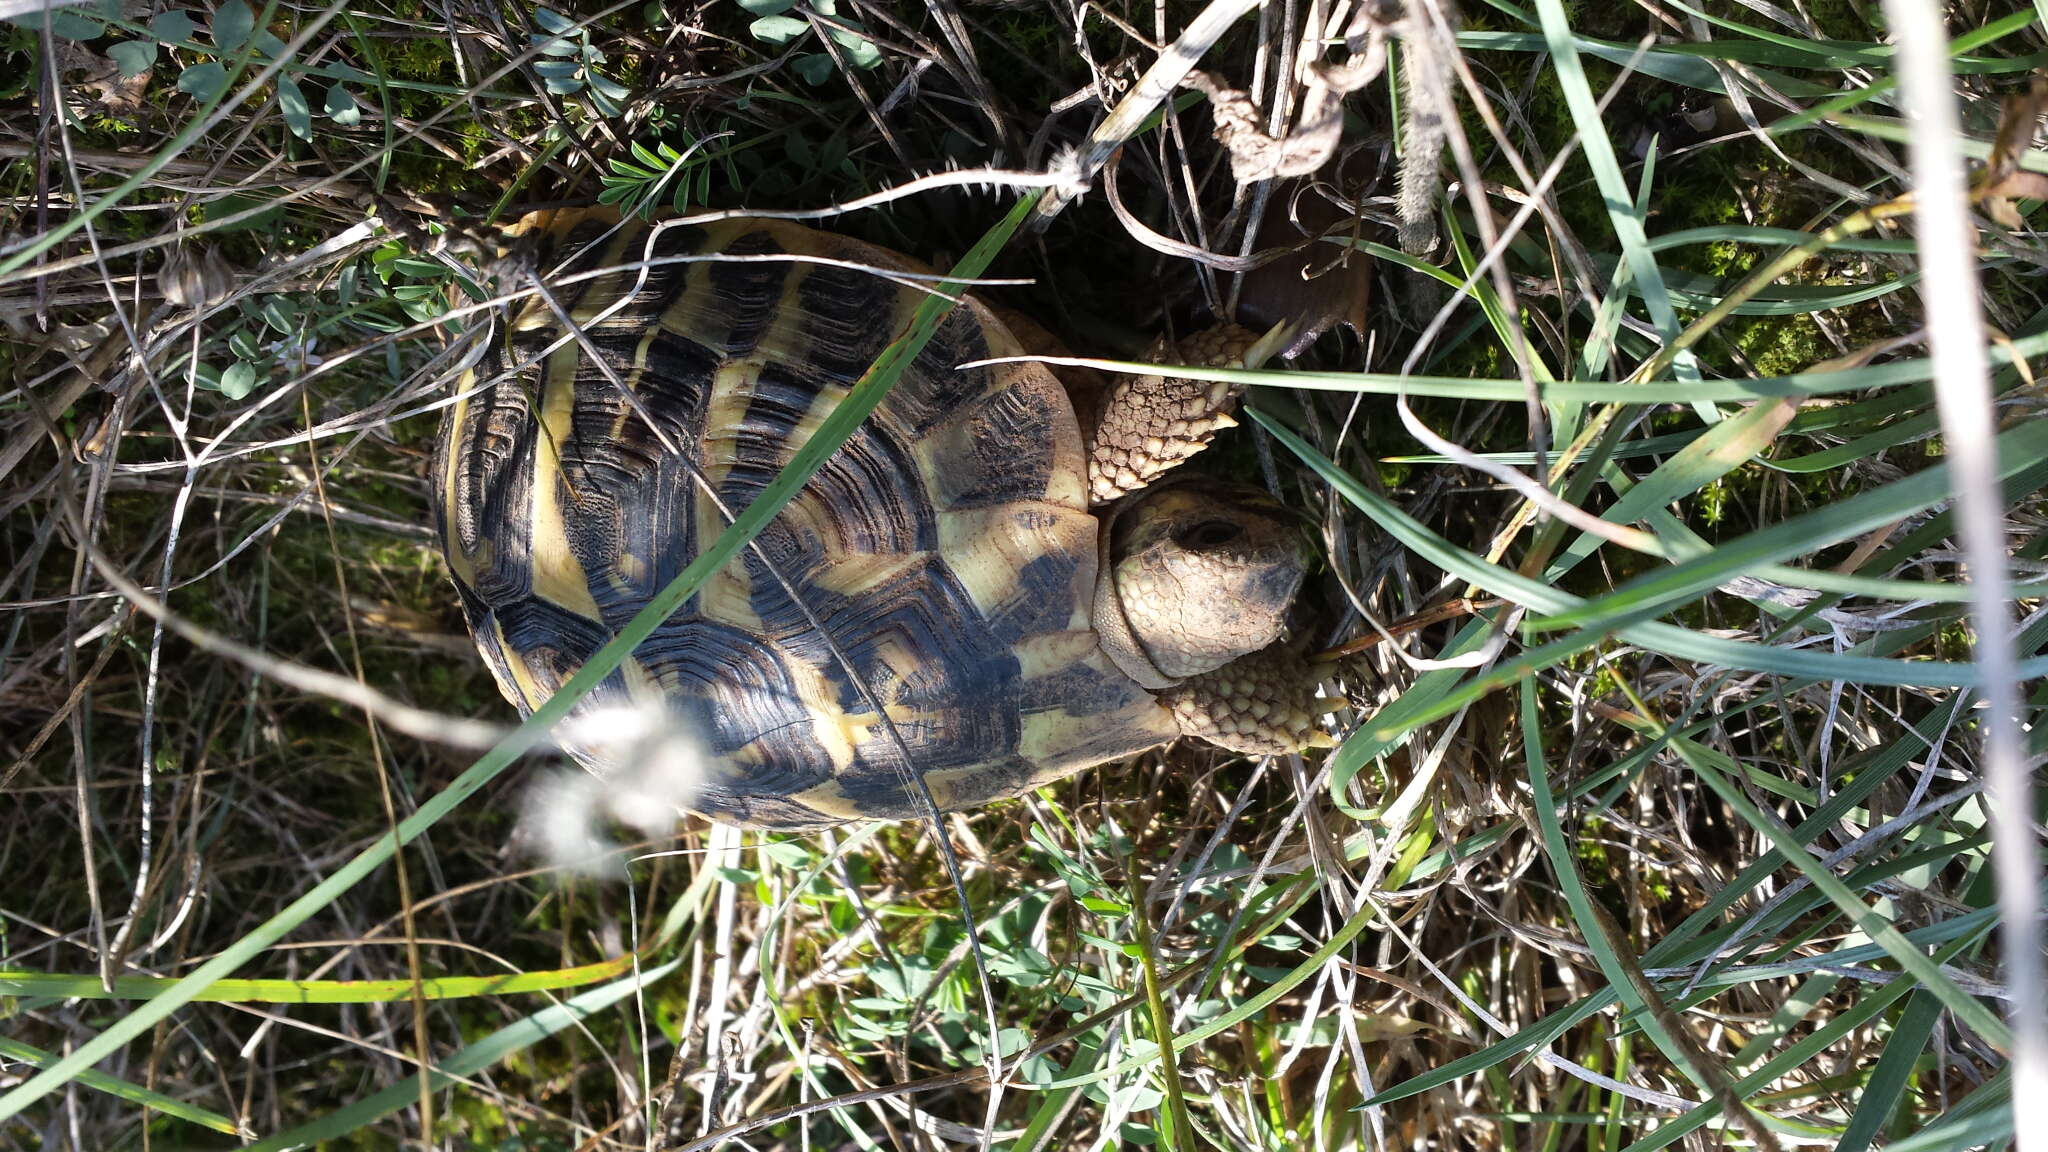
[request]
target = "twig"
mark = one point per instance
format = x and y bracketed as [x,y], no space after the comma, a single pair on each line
[1145,97]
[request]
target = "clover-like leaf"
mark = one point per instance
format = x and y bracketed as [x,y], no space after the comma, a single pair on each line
[203,81]
[860,52]
[133,57]
[814,67]
[298,114]
[341,107]
[238,381]
[173,27]
[232,23]
[778,29]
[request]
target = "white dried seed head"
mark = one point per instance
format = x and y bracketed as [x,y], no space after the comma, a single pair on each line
[655,768]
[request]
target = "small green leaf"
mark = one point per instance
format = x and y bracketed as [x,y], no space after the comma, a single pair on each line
[203,81]
[789,854]
[238,381]
[778,29]
[564,86]
[556,69]
[859,52]
[552,20]
[767,7]
[133,57]
[420,269]
[608,86]
[173,27]
[232,23]
[815,68]
[267,44]
[276,314]
[298,115]
[341,107]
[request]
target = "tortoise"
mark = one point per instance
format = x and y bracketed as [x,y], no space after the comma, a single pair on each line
[973,587]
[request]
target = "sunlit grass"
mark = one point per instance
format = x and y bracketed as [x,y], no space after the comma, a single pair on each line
[1688,832]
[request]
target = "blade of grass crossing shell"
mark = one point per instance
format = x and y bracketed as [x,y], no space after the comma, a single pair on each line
[804,463]
[1621,210]
[468,1061]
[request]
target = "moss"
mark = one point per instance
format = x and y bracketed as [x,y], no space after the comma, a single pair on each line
[422,58]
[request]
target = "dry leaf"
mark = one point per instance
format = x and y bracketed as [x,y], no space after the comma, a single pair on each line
[1317,286]
[2003,180]
[95,75]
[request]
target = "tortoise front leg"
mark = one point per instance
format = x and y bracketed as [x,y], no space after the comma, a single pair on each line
[1263,704]
[1152,423]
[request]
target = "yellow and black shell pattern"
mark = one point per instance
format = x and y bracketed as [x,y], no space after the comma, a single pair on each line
[940,567]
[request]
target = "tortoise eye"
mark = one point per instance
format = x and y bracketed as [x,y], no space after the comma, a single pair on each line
[1209,535]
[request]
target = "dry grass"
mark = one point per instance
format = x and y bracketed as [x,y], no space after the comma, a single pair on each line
[1585,872]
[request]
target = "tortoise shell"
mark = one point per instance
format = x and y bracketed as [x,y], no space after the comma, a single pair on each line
[922,605]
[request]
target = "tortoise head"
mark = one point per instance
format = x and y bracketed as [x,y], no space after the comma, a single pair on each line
[1195,574]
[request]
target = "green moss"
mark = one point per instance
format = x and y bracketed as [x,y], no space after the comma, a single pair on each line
[422,58]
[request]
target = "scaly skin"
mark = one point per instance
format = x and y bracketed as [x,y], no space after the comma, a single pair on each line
[1263,704]
[1152,423]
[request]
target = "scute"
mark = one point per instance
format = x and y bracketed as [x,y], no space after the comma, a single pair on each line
[921,606]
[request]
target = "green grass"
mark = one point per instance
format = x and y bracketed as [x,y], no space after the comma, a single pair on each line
[1687,836]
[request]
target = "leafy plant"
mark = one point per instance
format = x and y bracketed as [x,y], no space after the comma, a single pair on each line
[772,25]
[231,33]
[636,182]
[572,63]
